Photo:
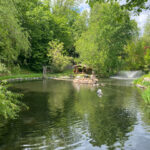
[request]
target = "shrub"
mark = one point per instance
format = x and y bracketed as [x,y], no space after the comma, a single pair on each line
[55,54]
[15,69]
[3,69]
[147,61]
[146,95]
[134,53]
[9,103]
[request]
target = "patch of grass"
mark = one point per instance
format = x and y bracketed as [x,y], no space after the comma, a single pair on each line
[146,95]
[65,73]
[20,76]
[141,80]
[30,74]
[146,84]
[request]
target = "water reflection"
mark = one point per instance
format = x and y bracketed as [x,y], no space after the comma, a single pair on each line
[108,120]
[62,116]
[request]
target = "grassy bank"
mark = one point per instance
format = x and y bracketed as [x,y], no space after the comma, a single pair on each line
[144,82]
[15,76]
[30,74]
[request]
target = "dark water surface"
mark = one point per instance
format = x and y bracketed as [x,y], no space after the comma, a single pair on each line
[63,116]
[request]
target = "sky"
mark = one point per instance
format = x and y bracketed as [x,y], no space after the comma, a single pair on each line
[141,19]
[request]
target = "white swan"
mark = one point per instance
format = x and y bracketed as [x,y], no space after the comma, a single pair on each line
[99,92]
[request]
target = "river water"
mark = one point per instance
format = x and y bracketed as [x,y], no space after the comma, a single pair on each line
[64,116]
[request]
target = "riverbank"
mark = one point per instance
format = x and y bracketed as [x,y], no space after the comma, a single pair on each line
[37,76]
[144,83]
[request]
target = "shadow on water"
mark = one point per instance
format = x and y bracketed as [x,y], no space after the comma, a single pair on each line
[64,116]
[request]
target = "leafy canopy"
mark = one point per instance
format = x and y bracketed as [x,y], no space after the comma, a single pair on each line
[13,38]
[101,46]
[55,54]
[136,5]
[9,103]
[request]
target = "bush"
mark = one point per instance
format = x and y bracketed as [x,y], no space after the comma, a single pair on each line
[56,57]
[146,95]
[9,103]
[147,61]
[3,69]
[15,69]
[134,53]
[101,47]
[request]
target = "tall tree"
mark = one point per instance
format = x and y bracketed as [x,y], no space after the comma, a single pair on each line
[146,39]
[13,38]
[101,46]
[147,29]
[46,21]
[69,9]
[136,5]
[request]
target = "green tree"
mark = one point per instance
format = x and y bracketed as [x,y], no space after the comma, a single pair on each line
[9,103]
[146,39]
[13,38]
[101,46]
[80,25]
[3,69]
[69,10]
[146,35]
[55,54]
[136,5]
[43,25]
[147,60]
[66,8]
[135,53]
[138,50]
[40,26]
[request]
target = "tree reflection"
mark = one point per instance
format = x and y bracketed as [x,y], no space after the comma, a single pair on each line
[62,116]
[109,120]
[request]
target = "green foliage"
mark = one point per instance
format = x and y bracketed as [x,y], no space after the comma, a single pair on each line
[15,69]
[66,8]
[147,29]
[39,24]
[26,27]
[74,25]
[138,51]
[3,69]
[146,38]
[145,82]
[134,53]
[147,60]
[140,80]
[13,38]
[101,46]
[55,54]
[80,25]
[146,95]
[136,5]
[9,103]
[44,25]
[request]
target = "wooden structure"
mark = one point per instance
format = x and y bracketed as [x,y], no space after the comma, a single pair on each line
[78,69]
